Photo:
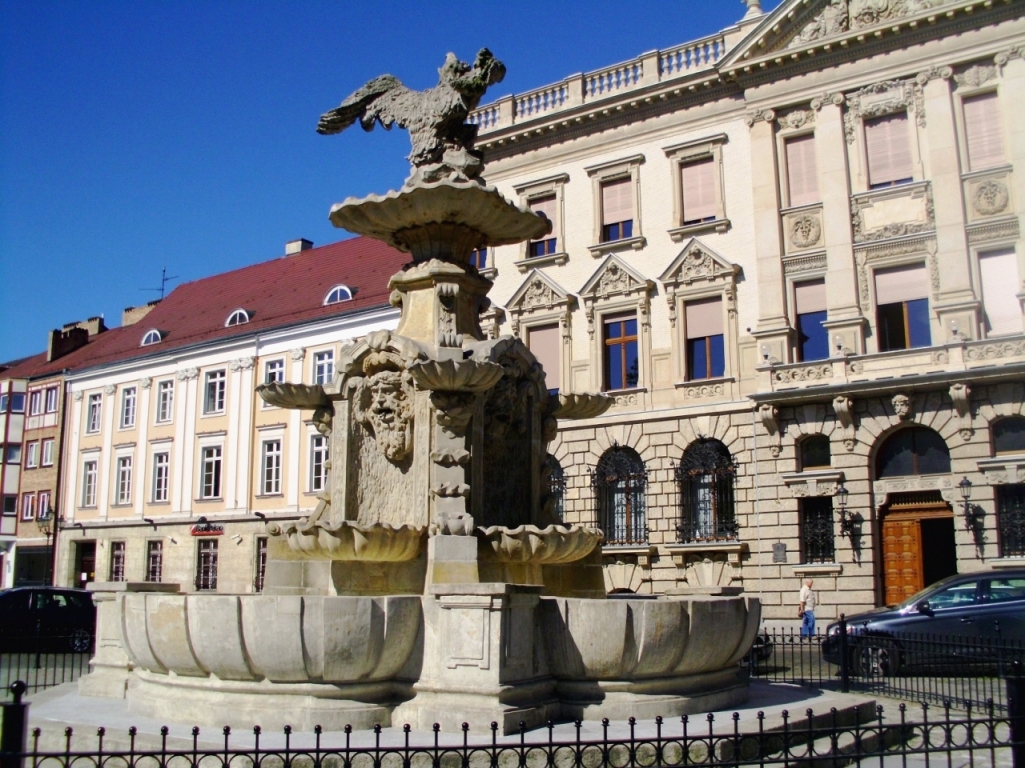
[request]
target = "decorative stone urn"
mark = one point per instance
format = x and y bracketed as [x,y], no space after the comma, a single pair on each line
[433,582]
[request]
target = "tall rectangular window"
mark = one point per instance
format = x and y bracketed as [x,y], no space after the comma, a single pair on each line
[14,454]
[318,463]
[206,564]
[10,506]
[274,372]
[48,445]
[1000,305]
[271,480]
[161,476]
[35,403]
[902,308]
[888,145]
[617,210]
[983,133]
[154,560]
[93,413]
[128,402]
[117,561]
[124,480]
[17,402]
[216,384]
[706,349]
[43,506]
[817,529]
[51,400]
[211,469]
[31,455]
[622,363]
[89,484]
[545,341]
[261,563]
[802,171]
[479,258]
[812,335]
[165,401]
[1011,519]
[548,244]
[28,506]
[323,367]
[700,199]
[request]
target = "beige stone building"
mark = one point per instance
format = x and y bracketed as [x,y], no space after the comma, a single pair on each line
[792,251]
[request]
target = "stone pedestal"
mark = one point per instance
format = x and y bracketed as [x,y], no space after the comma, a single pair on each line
[110,666]
[481,662]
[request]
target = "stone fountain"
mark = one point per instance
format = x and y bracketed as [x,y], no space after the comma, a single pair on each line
[433,582]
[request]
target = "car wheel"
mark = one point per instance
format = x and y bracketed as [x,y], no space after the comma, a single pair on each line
[876,657]
[80,641]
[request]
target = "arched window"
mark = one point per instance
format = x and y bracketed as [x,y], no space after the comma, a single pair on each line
[555,482]
[815,452]
[913,451]
[338,294]
[1009,435]
[619,482]
[152,337]
[705,478]
[238,317]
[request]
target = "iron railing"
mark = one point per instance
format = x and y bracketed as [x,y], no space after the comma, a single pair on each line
[40,670]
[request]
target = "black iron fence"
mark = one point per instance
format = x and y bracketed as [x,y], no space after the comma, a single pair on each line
[915,667]
[887,738]
[43,664]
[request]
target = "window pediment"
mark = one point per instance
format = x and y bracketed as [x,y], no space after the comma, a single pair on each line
[539,293]
[698,263]
[614,278]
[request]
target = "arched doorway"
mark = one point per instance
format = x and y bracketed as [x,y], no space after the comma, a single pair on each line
[917,530]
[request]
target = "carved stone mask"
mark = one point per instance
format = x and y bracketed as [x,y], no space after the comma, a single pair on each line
[383,403]
[901,406]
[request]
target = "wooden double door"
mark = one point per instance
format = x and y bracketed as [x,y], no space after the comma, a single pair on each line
[918,549]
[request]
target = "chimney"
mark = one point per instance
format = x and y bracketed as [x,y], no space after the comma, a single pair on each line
[63,341]
[92,325]
[132,315]
[293,247]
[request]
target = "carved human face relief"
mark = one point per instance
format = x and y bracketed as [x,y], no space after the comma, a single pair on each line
[384,405]
[901,406]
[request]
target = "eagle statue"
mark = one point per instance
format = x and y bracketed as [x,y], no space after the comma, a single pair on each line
[442,141]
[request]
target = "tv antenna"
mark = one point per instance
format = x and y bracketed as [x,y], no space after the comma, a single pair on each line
[164,280]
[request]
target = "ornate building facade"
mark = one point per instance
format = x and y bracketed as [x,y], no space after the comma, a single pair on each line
[792,251]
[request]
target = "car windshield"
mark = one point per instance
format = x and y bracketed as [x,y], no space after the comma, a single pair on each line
[919,596]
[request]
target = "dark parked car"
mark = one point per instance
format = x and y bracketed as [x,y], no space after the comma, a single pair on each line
[46,619]
[968,619]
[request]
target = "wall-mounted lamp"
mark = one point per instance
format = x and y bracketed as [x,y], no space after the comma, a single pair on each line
[838,342]
[765,352]
[150,521]
[846,519]
[971,519]
[260,515]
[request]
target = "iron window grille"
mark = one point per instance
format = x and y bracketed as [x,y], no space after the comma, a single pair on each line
[206,565]
[261,563]
[117,561]
[704,480]
[817,536]
[619,482]
[555,480]
[154,561]
[1011,520]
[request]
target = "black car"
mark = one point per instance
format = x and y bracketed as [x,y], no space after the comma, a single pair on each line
[46,619]
[968,619]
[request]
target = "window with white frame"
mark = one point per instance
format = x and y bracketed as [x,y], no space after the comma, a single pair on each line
[28,506]
[699,201]
[128,407]
[1000,280]
[48,446]
[51,400]
[152,337]
[124,479]
[802,170]
[32,455]
[323,367]
[43,506]
[271,468]
[274,372]
[338,294]
[94,412]
[161,476]
[165,401]
[318,463]
[616,201]
[543,197]
[888,149]
[216,386]
[984,138]
[210,479]
[35,402]
[238,317]
[117,561]
[89,470]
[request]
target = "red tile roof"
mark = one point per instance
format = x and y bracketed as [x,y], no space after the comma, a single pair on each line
[24,367]
[275,293]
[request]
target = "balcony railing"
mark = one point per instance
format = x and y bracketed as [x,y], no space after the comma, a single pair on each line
[576,90]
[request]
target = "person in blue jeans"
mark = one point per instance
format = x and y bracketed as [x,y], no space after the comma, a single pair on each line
[807,609]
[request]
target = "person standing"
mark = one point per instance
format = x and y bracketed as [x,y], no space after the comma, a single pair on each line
[806,610]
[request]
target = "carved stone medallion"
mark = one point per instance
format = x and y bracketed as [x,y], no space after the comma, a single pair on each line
[805,231]
[990,197]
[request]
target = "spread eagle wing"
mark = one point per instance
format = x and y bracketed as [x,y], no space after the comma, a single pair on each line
[367,105]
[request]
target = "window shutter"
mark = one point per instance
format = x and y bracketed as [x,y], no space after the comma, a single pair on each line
[802,172]
[546,206]
[901,284]
[543,342]
[617,201]
[699,198]
[982,130]
[810,296]
[888,142]
[704,318]
[1000,282]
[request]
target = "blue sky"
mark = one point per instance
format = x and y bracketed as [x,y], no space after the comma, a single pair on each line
[138,135]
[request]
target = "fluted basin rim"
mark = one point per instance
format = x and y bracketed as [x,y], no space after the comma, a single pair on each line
[553,545]
[347,540]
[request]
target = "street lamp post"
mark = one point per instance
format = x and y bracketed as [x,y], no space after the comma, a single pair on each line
[965,487]
[846,523]
[49,523]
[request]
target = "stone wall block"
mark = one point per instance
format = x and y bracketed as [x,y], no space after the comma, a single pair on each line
[134,633]
[167,627]
[215,629]
[273,631]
